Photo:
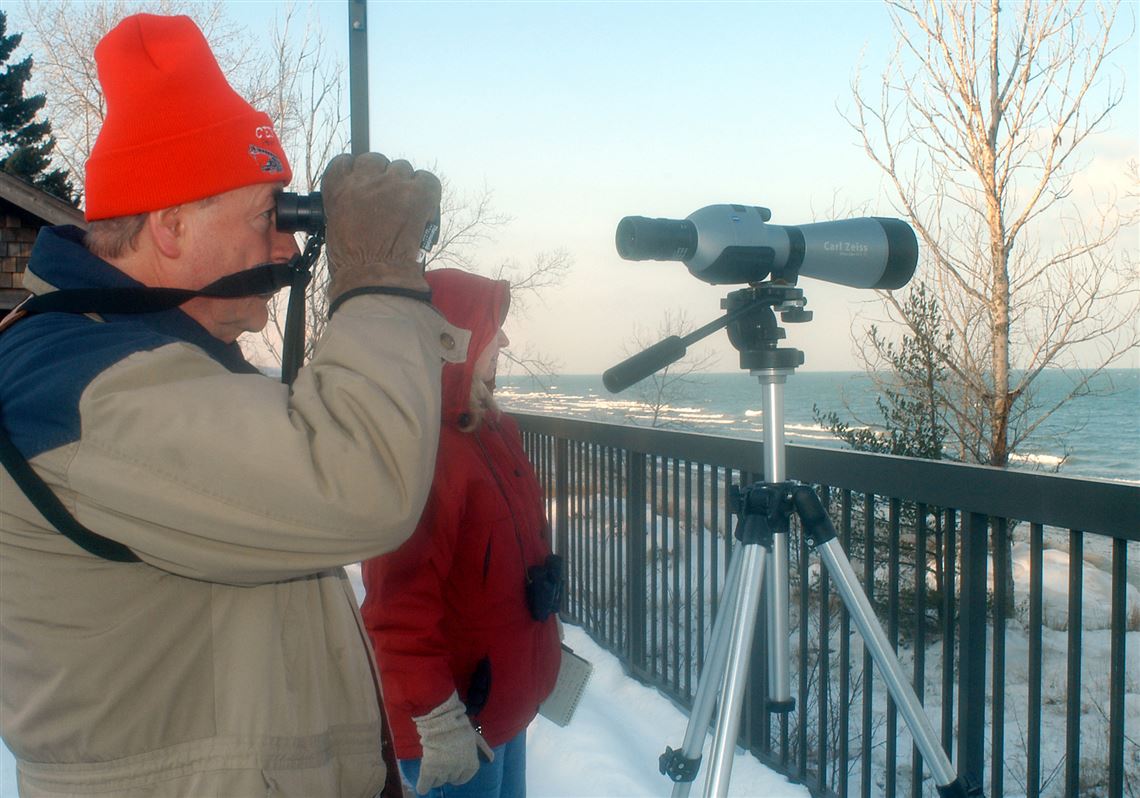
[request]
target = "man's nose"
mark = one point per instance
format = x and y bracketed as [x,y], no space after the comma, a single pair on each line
[284,246]
[503,339]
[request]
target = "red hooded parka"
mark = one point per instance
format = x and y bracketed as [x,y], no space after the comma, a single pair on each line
[454,594]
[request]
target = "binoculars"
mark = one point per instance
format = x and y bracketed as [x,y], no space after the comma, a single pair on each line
[305,213]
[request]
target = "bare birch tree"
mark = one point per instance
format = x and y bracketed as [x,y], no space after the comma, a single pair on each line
[467,221]
[982,125]
[305,99]
[286,71]
[291,73]
[63,35]
[532,281]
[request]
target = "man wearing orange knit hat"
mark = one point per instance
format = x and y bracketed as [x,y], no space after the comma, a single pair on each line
[174,615]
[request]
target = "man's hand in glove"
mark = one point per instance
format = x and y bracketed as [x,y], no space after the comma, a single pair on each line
[376,212]
[451,746]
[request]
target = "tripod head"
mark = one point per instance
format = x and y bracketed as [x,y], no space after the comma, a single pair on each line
[752,329]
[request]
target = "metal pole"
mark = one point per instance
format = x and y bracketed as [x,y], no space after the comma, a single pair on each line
[358,75]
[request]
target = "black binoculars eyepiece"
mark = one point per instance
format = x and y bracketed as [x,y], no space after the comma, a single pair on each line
[300,213]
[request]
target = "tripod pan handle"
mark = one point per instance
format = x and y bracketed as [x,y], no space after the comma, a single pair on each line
[639,366]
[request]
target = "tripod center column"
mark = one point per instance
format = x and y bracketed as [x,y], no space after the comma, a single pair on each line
[772,383]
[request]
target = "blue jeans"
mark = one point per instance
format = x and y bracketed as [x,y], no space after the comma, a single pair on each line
[503,778]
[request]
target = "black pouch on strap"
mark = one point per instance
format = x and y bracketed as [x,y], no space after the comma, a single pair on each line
[479,689]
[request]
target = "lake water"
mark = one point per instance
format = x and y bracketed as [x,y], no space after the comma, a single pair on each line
[1096,435]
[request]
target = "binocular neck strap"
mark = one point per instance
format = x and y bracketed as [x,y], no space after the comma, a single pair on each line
[264,279]
[52,509]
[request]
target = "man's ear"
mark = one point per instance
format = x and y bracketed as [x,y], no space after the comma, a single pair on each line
[167,228]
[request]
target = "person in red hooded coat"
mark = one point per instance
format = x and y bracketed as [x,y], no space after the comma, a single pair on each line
[465,636]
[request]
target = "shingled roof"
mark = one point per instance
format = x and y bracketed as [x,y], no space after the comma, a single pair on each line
[24,209]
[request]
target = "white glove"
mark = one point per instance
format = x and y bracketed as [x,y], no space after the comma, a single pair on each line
[451,746]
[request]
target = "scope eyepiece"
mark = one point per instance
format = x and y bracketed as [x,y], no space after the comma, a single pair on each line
[641,238]
[300,213]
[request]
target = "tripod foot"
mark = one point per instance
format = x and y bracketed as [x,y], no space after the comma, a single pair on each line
[960,788]
[782,707]
[677,766]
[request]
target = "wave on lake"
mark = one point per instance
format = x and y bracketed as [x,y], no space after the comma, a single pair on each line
[1091,436]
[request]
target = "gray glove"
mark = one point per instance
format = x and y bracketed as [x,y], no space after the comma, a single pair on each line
[376,212]
[451,746]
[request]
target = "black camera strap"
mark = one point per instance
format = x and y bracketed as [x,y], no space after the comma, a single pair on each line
[264,279]
[49,505]
[301,272]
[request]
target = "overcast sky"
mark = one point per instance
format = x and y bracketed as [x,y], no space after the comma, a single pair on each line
[576,114]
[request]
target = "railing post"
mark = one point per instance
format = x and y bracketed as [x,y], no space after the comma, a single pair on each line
[562,515]
[635,576]
[1117,670]
[972,650]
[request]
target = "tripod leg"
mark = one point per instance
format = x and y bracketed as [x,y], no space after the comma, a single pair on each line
[863,615]
[735,676]
[708,687]
[779,657]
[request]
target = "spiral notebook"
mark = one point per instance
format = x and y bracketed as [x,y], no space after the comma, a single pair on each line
[573,674]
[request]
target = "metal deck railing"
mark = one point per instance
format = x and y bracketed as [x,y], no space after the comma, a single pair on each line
[645,519]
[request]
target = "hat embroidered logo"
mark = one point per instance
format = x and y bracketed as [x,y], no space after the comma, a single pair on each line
[272,162]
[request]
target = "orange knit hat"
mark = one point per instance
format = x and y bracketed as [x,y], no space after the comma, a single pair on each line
[175,130]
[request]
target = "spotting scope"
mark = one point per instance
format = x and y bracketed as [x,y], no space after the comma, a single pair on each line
[735,244]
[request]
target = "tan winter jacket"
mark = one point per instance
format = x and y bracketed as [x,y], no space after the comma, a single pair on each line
[232,661]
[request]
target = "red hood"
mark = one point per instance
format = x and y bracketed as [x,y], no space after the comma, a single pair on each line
[473,303]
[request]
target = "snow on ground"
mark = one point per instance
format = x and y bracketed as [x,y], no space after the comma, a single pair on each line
[612,744]
[621,727]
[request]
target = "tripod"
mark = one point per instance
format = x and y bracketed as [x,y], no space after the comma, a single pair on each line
[761,562]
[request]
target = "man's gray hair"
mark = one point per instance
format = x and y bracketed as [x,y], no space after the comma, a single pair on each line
[112,238]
